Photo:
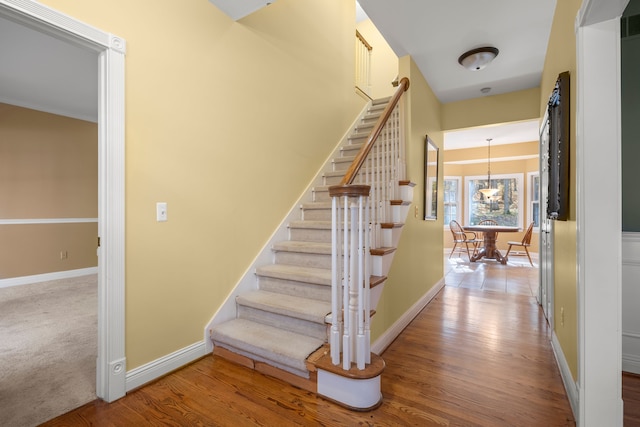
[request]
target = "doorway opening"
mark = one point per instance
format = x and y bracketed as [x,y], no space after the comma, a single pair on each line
[110,50]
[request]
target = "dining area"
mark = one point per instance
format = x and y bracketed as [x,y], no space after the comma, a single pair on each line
[485,266]
[480,240]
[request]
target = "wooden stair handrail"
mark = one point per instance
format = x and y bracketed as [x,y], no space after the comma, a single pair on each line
[353,170]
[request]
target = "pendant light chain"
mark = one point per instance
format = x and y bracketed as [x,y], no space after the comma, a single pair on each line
[489,163]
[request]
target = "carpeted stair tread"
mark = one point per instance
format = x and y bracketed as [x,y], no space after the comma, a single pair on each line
[303,247]
[318,205]
[318,276]
[283,347]
[333,173]
[287,305]
[320,225]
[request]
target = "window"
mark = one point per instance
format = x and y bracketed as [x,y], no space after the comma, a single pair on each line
[505,207]
[534,199]
[452,195]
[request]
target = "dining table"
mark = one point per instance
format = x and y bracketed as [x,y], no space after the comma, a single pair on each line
[489,234]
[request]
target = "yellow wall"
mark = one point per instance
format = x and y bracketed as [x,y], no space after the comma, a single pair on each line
[498,166]
[491,110]
[48,170]
[384,63]
[561,56]
[227,122]
[417,265]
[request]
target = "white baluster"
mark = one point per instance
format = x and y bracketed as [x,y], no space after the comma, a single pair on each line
[360,344]
[346,321]
[335,282]
[367,288]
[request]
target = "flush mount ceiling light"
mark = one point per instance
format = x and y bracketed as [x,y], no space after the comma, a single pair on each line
[477,59]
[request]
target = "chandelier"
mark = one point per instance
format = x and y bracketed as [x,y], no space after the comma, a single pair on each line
[489,192]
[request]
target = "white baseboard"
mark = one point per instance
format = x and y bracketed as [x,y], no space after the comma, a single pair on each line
[567,378]
[631,363]
[392,333]
[36,278]
[162,366]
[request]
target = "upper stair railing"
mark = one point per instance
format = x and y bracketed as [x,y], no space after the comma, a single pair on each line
[363,65]
[360,205]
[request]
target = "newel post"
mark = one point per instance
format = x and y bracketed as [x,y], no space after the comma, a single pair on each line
[350,284]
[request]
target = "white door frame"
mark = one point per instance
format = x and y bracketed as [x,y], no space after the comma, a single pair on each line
[546,265]
[111,362]
[598,213]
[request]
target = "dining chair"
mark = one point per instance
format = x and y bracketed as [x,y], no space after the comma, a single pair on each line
[480,236]
[525,243]
[461,237]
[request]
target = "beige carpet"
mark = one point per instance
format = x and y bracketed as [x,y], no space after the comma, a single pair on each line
[48,349]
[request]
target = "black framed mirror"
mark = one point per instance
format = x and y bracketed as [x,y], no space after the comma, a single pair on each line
[431,153]
[559,145]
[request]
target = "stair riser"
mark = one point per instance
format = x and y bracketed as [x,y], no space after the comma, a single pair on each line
[371,118]
[257,357]
[321,196]
[298,289]
[343,163]
[391,237]
[304,327]
[381,264]
[399,213]
[356,141]
[332,180]
[318,214]
[375,295]
[304,259]
[350,150]
[310,235]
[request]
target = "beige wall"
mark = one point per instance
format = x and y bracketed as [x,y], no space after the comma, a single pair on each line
[48,170]
[561,56]
[498,166]
[417,265]
[226,122]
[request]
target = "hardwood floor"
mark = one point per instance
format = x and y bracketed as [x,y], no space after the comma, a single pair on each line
[477,355]
[631,398]
[472,357]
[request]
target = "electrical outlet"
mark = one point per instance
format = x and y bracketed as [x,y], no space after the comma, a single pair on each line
[64,255]
[416,211]
[561,316]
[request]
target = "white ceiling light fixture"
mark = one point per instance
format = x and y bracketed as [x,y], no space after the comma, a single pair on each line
[477,59]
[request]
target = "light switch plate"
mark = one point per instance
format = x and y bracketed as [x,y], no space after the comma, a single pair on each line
[161,211]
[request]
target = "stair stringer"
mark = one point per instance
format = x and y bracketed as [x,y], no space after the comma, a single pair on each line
[248,281]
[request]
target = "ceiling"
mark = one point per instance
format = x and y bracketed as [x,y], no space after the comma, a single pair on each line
[436,32]
[47,74]
[44,73]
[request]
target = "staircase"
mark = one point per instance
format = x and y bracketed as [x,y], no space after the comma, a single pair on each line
[283,322]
